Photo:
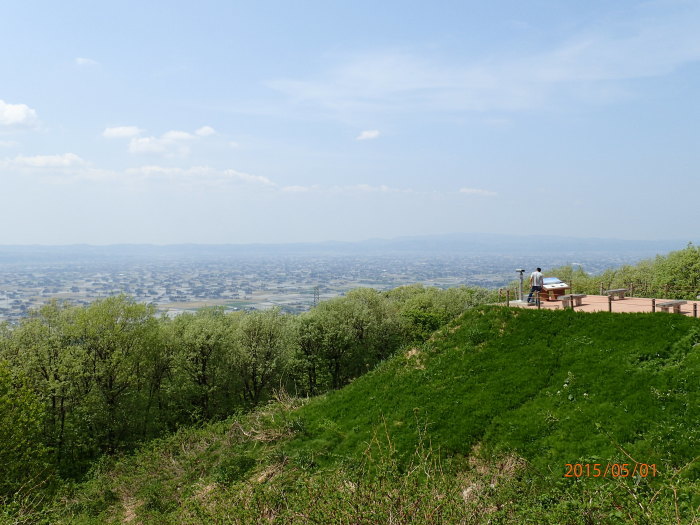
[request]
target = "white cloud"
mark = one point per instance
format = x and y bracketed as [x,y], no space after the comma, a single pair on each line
[66,160]
[172,142]
[351,189]
[16,115]
[69,168]
[8,143]
[86,62]
[475,191]
[197,177]
[121,132]
[147,145]
[205,131]
[202,175]
[162,172]
[652,39]
[357,188]
[368,134]
[246,177]
[173,136]
[65,168]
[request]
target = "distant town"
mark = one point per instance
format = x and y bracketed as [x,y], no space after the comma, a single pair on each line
[293,283]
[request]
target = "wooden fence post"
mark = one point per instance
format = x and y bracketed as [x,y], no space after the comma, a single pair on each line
[609,303]
[695,309]
[653,305]
[508,297]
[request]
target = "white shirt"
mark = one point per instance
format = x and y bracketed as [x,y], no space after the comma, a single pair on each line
[536,278]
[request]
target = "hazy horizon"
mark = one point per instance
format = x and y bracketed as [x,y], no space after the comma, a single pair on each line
[441,236]
[424,246]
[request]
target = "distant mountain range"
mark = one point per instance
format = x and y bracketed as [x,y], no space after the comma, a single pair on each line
[450,244]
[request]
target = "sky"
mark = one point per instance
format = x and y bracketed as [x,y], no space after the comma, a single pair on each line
[278,121]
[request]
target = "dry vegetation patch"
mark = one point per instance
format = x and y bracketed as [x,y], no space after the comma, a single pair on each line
[270,472]
[414,355]
[487,474]
[130,505]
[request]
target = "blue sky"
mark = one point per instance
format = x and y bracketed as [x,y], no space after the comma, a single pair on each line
[270,121]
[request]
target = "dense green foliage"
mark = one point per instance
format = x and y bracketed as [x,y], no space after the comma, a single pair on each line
[672,276]
[83,382]
[23,457]
[475,424]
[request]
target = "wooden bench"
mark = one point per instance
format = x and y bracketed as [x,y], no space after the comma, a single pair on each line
[618,292]
[676,305]
[575,298]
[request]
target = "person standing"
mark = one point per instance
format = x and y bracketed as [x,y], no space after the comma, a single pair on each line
[536,281]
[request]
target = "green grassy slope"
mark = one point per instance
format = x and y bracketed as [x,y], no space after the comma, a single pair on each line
[553,386]
[476,424]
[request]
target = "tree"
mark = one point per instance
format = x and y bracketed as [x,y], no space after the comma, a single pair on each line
[41,349]
[23,456]
[261,352]
[201,359]
[112,337]
[308,367]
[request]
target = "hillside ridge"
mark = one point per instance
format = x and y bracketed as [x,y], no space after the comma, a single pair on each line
[500,398]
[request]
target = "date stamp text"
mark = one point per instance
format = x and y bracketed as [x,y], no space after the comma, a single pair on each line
[609,470]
